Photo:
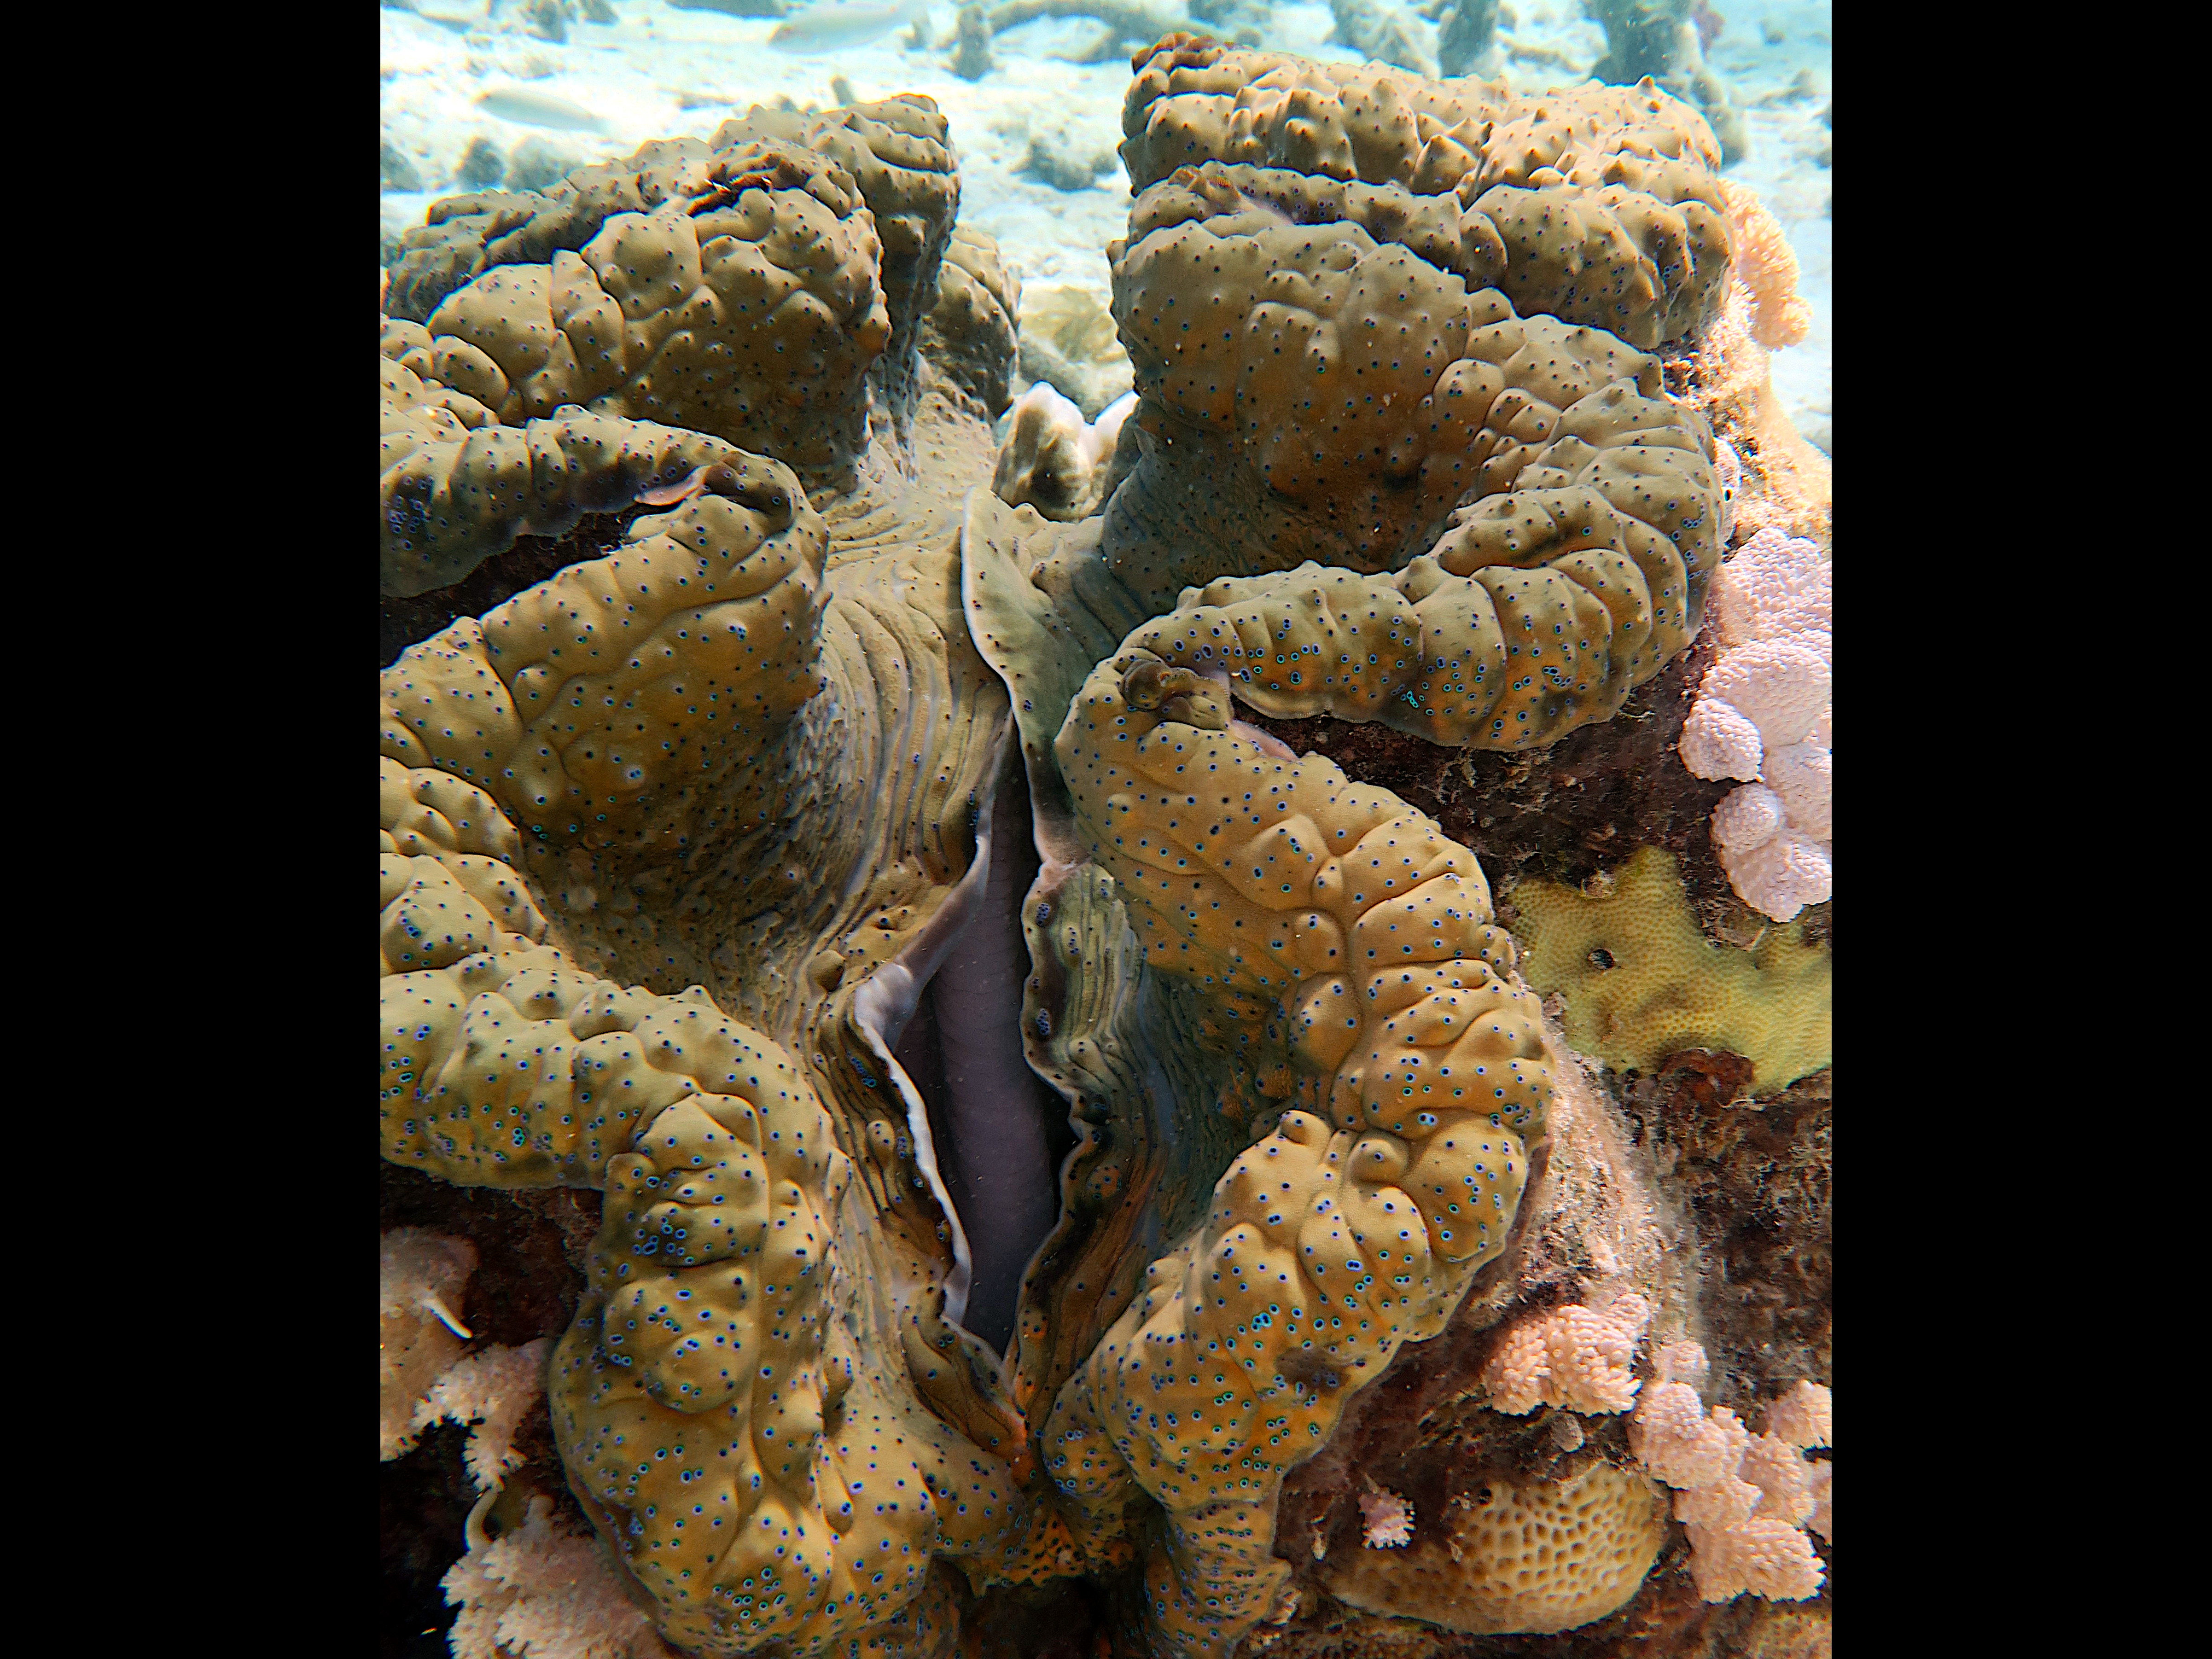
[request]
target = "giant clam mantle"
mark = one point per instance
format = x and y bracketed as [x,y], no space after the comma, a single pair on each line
[788,839]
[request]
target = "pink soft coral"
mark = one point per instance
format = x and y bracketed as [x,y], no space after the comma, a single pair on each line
[1578,1358]
[1389,1519]
[1737,1494]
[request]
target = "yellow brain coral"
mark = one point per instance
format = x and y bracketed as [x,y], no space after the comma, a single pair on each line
[721,1401]
[455,485]
[1511,525]
[1344,933]
[1601,204]
[1531,1558]
[748,308]
[1366,385]
[1641,981]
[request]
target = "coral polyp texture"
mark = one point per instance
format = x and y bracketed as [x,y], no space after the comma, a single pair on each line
[1641,981]
[1530,1559]
[1023,1123]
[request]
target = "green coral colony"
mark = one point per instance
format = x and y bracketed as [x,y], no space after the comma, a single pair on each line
[674,838]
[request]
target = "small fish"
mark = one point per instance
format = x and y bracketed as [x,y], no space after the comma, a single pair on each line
[528,109]
[831,25]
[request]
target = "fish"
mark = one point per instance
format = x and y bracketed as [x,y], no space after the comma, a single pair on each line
[831,25]
[528,108]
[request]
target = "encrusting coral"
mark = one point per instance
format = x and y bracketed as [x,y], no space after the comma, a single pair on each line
[696,851]
[1531,1559]
[1641,981]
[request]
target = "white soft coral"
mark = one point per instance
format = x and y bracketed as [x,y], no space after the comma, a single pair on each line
[493,1391]
[425,1378]
[1765,716]
[420,1278]
[543,1592]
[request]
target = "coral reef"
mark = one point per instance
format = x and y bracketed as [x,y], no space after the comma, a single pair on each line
[1533,1524]
[1534,1559]
[1610,1211]
[1030,1133]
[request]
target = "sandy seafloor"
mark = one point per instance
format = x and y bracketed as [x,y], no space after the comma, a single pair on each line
[657,72]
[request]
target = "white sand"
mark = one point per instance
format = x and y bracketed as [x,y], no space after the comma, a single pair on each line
[635,74]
